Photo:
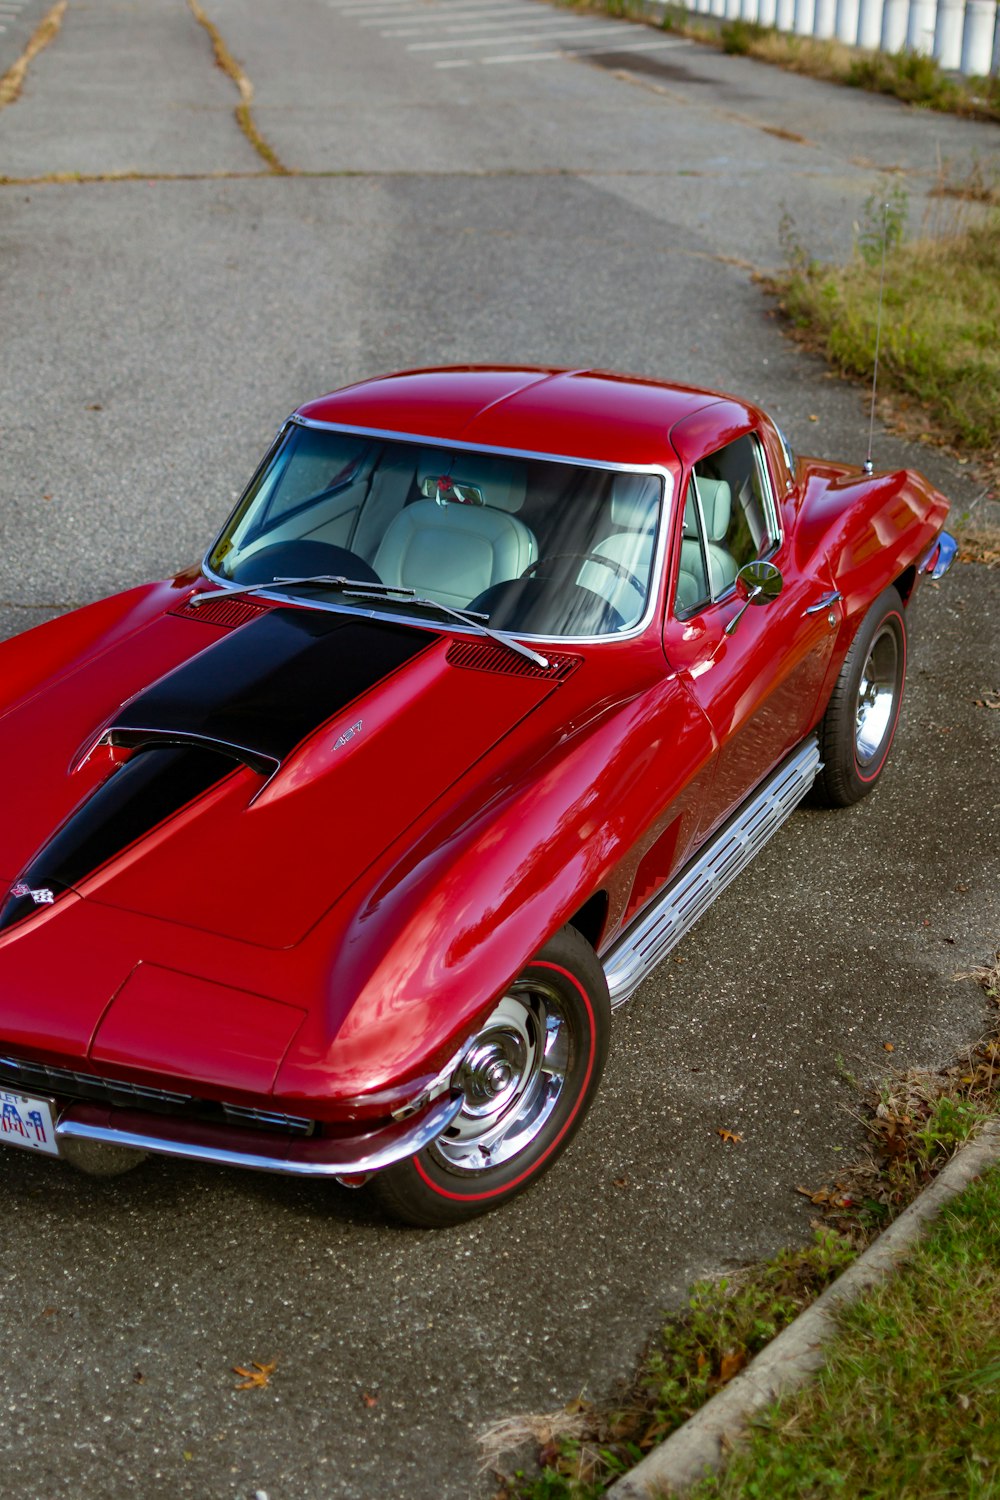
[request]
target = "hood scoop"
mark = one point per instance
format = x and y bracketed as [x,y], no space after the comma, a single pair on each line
[248,699]
[257,693]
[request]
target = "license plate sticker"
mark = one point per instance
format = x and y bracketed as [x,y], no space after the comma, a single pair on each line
[28,1122]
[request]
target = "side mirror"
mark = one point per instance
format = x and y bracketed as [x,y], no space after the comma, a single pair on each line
[756,583]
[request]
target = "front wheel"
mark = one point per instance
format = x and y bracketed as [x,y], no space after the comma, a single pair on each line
[857,729]
[528,1078]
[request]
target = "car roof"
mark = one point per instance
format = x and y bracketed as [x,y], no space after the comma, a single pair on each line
[588,414]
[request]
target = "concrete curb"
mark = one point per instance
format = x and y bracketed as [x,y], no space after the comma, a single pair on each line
[704,1442]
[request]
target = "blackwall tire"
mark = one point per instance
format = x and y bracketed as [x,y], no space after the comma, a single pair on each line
[856,732]
[529,1078]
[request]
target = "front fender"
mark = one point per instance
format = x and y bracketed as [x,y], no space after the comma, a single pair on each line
[40,657]
[454,915]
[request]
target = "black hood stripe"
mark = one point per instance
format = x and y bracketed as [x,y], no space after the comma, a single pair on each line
[258,692]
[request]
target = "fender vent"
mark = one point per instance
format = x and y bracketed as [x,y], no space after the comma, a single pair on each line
[483,656]
[221,611]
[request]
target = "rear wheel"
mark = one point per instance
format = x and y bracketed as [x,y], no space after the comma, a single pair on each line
[528,1078]
[857,729]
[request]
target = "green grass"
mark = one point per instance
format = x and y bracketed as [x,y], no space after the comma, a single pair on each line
[940,353]
[931,1361]
[725,1323]
[907,1406]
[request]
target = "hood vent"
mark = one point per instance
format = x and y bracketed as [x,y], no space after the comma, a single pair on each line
[228,613]
[483,656]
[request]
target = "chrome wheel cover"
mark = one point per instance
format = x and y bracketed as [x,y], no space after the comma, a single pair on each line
[511,1077]
[876,696]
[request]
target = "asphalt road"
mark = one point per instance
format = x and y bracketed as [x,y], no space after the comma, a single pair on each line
[479,199]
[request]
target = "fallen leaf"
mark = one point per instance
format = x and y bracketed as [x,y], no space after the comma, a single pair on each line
[620,1182]
[729,1136]
[95,406]
[257,1377]
[825,1198]
[888,1047]
[732,1363]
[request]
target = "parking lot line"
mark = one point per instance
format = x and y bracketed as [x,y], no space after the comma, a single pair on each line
[605,30]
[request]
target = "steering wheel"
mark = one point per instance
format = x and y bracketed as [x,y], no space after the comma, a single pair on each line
[567,557]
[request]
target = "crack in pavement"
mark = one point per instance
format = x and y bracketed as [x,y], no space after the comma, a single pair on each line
[13,80]
[244,117]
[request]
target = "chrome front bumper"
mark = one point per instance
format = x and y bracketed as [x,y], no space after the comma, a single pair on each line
[349,1153]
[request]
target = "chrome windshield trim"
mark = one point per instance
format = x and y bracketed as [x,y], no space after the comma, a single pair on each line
[342,1157]
[554,642]
[610,465]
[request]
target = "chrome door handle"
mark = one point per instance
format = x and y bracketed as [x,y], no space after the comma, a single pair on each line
[831,598]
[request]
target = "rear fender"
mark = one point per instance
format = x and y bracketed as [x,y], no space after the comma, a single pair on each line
[872,532]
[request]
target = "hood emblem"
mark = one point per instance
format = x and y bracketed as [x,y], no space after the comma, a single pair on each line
[42,897]
[349,734]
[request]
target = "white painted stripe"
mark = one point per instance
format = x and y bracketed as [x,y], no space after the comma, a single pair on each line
[355,7]
[664,46]
[470,8]
[562,56]
[418,23]
[389,9]
[607,30]
[490,25]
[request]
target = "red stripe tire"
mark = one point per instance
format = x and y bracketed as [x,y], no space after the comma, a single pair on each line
[528,1078]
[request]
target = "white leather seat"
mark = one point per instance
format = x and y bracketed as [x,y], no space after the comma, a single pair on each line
[693,588]
[634,507]
[717,507]
[450,551]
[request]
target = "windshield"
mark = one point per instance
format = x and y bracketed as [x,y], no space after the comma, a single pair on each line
[535,546]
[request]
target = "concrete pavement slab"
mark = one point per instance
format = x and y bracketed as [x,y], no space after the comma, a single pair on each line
[129,86]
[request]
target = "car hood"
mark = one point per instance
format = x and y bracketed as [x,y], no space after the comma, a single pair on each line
[246,787]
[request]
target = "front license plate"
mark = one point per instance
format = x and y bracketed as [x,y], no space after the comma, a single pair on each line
[28,1122]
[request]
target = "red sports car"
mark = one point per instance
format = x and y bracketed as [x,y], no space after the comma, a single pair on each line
[333,855]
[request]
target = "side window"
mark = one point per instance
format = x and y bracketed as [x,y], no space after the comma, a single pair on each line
[730,519]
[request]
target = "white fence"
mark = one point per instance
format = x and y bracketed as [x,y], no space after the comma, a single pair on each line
[963,35]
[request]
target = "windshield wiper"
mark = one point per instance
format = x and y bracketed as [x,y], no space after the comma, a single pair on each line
[356,588]
[331,580]
[463,616]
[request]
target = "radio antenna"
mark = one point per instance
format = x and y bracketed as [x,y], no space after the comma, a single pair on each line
[868,466]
